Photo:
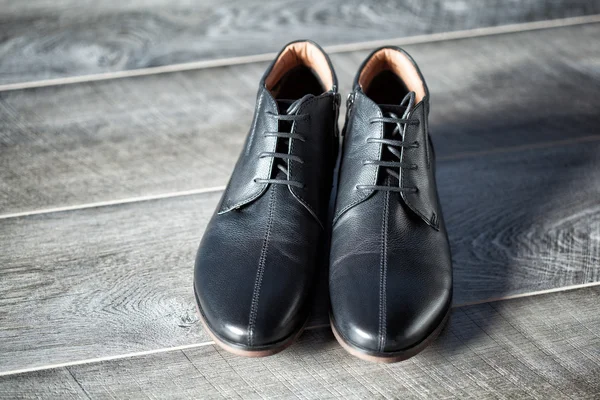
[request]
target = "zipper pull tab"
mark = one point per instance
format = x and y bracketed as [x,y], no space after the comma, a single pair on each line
[349,103]
[337,99]
[349,100]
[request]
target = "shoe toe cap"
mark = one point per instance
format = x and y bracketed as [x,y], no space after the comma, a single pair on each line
[409,326]
[238,325]
[247,308]
[404,328]
[395,318]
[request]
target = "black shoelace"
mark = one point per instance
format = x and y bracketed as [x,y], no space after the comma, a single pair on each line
[291,115]
[393,167]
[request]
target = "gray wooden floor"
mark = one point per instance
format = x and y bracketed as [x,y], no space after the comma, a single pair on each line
[536,347]
[106,187]
[75,37]
[121,138]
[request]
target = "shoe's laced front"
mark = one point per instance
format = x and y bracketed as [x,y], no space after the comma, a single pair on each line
[290,116]
[393,146]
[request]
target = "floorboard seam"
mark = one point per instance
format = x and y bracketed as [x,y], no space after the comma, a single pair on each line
[129,200]
[78,383]
[332,49]
[106,358]
[315,327]
[214,189]
[512,149]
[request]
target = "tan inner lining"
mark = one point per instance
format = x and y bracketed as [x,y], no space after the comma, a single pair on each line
[397,62]
[301,53]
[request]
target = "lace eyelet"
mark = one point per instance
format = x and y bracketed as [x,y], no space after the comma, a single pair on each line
[416,145]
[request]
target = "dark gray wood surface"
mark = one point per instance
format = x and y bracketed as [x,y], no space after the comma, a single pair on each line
[42,39]
[536,347]
[113,280]
[515,123]
[100,282]
[74,144]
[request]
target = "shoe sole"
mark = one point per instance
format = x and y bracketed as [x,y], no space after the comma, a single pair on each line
[241,350]
[390,357]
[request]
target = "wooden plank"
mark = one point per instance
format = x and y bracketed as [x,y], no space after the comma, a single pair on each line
[101,281]
[535,347]
[115,280]
[84,143]
[522,221]
[56,384]
[122,138]
[42,40]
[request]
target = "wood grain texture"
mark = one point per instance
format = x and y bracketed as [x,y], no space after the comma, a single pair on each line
[100,282]
[41,39]
[115,280]
[523,221]
[116,139]
[536,347]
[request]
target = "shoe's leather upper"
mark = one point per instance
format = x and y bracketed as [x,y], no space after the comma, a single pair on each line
[242,189]
[256,261]
[390,262]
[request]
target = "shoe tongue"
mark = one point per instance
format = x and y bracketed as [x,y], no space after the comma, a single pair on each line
[400,110]
[283,105]
[392,131]
[287,106]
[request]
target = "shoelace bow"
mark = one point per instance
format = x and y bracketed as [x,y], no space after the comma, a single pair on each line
[393,147]
[291,115]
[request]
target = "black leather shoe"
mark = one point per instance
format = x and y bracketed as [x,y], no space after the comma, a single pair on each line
[257,259]
[390,264]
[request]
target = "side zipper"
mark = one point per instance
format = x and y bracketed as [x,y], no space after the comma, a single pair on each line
[349,103]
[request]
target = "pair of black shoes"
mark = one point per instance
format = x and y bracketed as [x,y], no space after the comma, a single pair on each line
[390,270]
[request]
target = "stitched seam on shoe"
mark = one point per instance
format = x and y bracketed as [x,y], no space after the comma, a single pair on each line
[254,124]
[383,275]
[260,271]
[361,198]
[271,161]
[296,193]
